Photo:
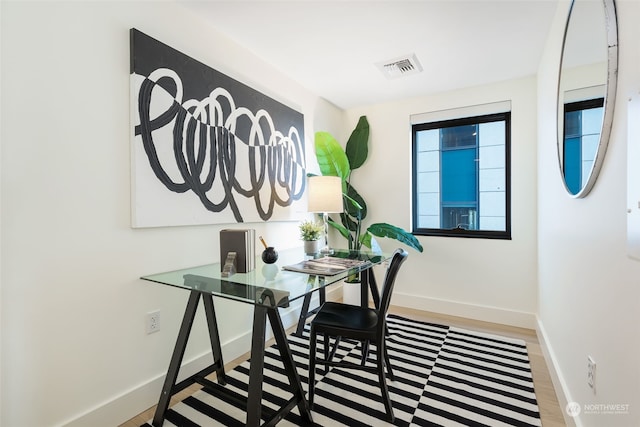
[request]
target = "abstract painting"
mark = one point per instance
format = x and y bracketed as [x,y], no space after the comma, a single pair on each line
[206,148]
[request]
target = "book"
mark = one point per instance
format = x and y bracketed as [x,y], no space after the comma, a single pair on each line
[326,266]
[243,243]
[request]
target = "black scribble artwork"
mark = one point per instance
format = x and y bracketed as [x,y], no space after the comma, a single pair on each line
[206,133]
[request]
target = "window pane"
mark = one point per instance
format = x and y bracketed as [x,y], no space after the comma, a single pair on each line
[459,176]
[459,218]
[592,121]
[429,140]
[460,136]
[491,133]
[572,124]
[491,180]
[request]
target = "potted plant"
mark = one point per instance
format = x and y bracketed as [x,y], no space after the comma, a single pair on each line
[336,161]
[310,233]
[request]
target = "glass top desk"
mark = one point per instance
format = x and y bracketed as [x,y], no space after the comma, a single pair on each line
[267,288]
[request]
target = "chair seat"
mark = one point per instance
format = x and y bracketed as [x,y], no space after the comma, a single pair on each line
[346,317]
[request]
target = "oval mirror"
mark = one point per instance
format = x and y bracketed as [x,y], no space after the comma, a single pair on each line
[586,92]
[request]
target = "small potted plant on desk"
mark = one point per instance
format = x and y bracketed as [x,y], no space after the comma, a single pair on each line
[310,233]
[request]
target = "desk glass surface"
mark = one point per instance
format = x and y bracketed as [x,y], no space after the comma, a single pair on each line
[268,284]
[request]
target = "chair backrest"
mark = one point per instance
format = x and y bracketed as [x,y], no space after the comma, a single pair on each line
[399,256]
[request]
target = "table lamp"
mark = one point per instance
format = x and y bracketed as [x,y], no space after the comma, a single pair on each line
[325,197]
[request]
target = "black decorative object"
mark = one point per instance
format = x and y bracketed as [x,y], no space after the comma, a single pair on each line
[269,255]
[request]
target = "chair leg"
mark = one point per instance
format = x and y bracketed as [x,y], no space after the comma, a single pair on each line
[312,365]
[328,356]
[365,352]
[388,363]
[383,386]
[326,339]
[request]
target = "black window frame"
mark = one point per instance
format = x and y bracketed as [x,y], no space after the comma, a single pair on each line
[458,231]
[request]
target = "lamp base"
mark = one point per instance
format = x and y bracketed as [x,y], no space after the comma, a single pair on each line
[326,250]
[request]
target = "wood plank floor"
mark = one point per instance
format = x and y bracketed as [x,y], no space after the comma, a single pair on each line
[550,412]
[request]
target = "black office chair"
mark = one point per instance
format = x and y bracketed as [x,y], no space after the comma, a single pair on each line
[364,324]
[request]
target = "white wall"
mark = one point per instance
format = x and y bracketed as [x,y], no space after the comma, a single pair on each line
[73,308]
[492,280]
[589,289]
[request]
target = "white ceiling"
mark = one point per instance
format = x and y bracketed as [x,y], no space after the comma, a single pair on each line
[331,47]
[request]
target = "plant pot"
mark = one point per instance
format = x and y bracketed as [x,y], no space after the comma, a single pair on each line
[351,293]
[311,247]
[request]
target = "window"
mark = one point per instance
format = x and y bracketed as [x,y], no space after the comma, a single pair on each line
[461,177]
[582,124]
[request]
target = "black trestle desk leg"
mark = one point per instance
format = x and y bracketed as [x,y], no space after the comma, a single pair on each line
[256,366]
[373,285]
[364,288]
[214,337]
[289,365]
[304,313]
[176,358]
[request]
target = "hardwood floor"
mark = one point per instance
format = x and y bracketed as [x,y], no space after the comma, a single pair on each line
[550,412]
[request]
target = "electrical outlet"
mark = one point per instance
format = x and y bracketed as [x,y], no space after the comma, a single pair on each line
[153,322]
[591,373]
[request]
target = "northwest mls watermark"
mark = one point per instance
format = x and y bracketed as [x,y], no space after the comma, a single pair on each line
[574,409]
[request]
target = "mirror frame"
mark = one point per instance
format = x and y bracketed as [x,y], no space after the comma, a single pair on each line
[611,27]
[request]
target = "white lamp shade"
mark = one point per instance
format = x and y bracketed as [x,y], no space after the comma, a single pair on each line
[324,194]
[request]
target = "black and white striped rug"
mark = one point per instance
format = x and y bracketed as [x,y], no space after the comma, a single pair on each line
[444,376]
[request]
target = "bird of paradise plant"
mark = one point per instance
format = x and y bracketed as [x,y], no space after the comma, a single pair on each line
[334,161]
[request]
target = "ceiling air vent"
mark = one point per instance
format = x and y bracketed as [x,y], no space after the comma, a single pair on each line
[401,66]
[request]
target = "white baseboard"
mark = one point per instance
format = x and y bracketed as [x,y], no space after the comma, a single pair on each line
[470,311]
[559,385]
[140,398]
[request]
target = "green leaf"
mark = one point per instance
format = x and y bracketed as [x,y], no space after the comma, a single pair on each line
[365,239]
[349,222]
[348,200]
[331,157]
[341,229]
[355,204]
[357,148]
[397,233]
